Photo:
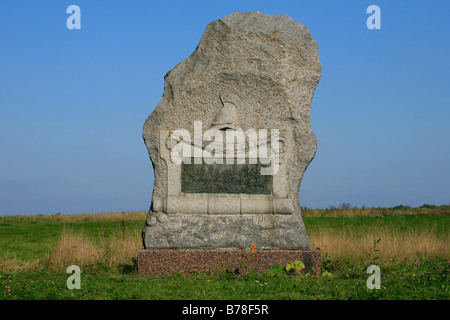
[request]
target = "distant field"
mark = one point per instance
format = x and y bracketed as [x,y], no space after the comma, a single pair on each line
[105,246]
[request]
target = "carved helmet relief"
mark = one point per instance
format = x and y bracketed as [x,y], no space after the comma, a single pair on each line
[226,117]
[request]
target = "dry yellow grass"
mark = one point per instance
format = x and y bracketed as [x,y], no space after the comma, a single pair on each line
[106,216]
[77,249]
[355,246]
[91,217]
[73,248]
[14,264]
[122,249]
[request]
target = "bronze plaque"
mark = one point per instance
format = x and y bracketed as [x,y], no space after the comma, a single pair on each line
[225,178]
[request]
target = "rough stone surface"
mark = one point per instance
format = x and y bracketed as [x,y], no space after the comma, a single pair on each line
[155,262]
[262,71]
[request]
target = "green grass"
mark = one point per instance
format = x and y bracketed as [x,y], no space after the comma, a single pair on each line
[413,280]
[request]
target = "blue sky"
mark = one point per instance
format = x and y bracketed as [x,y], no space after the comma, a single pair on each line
[73,102]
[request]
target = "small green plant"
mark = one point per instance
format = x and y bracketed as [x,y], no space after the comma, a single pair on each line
[276,270]
[328,264]
[374,249]
[244,256]
[327,274]
[295,266]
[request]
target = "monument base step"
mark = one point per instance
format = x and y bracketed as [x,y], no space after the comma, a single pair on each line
[155,262]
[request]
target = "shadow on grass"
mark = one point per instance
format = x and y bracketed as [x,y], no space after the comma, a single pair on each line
[128,268]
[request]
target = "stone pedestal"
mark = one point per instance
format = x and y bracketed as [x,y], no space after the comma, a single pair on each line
[154,262]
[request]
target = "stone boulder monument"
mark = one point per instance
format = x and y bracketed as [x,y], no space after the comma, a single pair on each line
[229,143]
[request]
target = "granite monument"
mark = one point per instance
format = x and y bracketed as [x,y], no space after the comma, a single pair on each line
[231,138]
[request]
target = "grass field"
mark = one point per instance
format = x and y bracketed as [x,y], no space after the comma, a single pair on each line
[410,245]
